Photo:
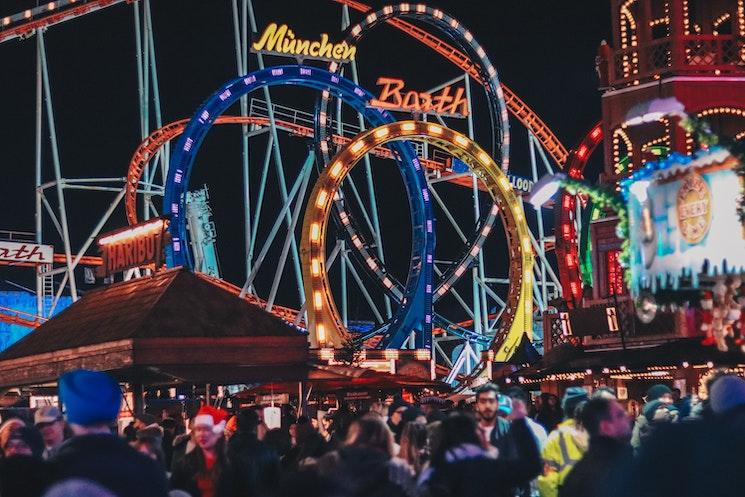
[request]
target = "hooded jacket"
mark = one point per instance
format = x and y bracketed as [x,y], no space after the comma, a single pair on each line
[564,448]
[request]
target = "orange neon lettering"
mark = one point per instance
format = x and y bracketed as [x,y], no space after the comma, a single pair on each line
[393,97]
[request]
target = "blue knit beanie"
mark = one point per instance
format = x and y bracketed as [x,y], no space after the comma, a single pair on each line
[89,397]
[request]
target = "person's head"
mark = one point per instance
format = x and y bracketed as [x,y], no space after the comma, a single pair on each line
[413,415]
[370,432]
[603,417]
[144,419]
[48,420]
[676,394]
[91,399]
[396,411]
[208,427]
[247,421]
[726,394]
[378,408]
[659,392]
[659,411]
[25,441]
[150,447]
[457,429]
[603,393]
[573,397]
[327,422]
[414,445]
[8,428]
[487,402]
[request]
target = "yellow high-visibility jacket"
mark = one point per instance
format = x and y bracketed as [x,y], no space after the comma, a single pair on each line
[564,448]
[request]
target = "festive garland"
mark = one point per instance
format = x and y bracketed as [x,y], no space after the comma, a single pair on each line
[604,198]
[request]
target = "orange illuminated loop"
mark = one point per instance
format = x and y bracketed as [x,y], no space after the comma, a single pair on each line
[324,323]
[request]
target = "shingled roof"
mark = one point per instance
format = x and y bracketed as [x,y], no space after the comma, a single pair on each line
[175,323]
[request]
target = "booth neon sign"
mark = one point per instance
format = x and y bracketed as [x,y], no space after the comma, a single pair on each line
[280,40]
[393,97]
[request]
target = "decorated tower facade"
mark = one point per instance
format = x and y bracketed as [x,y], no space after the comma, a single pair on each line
[693,50]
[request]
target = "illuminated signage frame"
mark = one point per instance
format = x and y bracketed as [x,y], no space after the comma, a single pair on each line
[139,245]
[25,252]
[279,39]
[393,96]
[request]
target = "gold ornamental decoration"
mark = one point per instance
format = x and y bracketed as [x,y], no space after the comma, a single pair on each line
[694,208]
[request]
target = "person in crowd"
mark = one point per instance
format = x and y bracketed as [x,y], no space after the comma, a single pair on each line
[395,415]
[130,432]
[520,403]
[701,457]
[76,487]
[432,408]
[199,470]
[230,428]
[169,434]
[494,429]
[278,440]
[609,455]
[7,428]
[461,466]
[48,420]
[327,427]
[152,448]
[412,415]
[702,410]
[309,445]
[92,401]
[549,413]
[23,473]
[253,468]
[414,449]
[182,445]
[603,393]
[365,465]
[565,445]
[24,441]
[659,394]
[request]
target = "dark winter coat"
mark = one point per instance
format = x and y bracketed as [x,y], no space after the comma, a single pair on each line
[23,476]
[186,470]
[112,463]
[501,439]
[480,476]
[253,469]
[602,466]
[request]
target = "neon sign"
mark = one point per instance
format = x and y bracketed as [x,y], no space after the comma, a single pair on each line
[443,102]
[135,246]
[280,40]
[26,252]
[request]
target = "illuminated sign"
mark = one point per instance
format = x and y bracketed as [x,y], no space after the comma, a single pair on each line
[694,208]
[136,246]
[280,40]
[678,228]
[519,183]
[26,252]
[444,101]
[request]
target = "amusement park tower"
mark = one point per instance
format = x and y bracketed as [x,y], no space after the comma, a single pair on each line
[693,50]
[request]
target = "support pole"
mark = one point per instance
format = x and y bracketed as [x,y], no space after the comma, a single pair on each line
[56,162]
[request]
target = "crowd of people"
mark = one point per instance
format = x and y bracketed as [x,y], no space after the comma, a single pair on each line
[501,444]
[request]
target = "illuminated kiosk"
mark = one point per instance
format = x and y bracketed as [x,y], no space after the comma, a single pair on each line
[324,323]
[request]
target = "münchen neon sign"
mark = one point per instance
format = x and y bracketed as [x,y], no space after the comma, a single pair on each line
[280,40]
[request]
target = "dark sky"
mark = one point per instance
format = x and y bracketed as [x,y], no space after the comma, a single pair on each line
[544,50]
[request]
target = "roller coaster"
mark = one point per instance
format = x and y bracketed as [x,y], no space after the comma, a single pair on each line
[461,308]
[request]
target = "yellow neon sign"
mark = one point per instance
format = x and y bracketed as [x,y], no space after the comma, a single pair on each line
[280,40]
[392,96]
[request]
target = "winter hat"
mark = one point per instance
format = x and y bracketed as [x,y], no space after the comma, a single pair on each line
[727,393]
[212,417]
[29,436]
[572,397]
[433,401]
[90,397]
[153,432]
[650,411]
[657,391]
[504,405]
[47,414]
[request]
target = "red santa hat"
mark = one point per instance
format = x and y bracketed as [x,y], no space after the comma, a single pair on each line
[212,417]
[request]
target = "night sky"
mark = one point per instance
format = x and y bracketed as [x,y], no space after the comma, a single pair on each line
[544,50]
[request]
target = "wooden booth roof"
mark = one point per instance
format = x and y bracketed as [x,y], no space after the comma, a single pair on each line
[171,327]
